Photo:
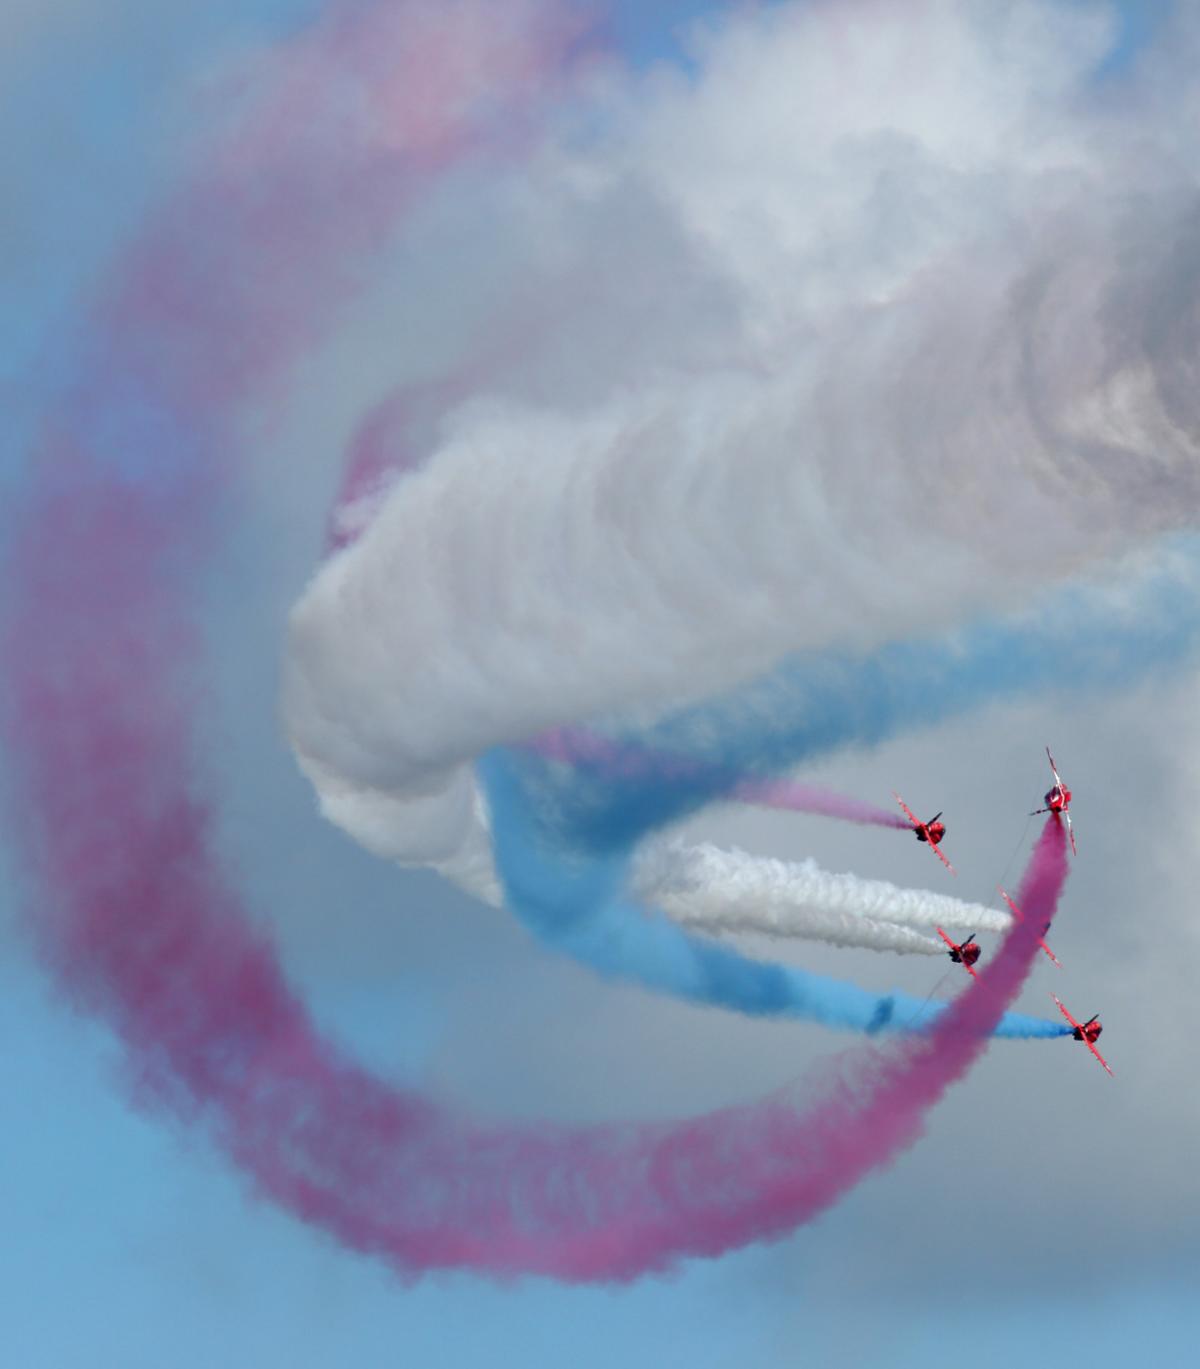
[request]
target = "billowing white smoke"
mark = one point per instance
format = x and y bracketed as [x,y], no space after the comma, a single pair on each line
[895,323]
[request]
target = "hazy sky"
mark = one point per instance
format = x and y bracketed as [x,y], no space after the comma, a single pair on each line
[130,1241]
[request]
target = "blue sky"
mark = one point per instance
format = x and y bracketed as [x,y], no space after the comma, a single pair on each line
[129,1244]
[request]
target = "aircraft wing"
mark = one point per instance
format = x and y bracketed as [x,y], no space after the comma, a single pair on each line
[1091,1046]
[1049,952]
[1020,916]
[1016,912]
[1053,767]
[912,817]
[946,939]
[1064,1012]
[937,852]
[1070,831]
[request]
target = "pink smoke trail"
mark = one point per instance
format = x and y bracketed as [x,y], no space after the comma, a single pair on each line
[142,928]
[577,746]
[250,265]
[795,797]
[134,914]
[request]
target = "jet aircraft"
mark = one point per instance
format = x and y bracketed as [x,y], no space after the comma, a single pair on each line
[1057,800]
[932,831]
[1020,916]
[1087,1032]
[965,955]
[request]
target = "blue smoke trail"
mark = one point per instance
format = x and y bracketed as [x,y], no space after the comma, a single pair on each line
[1082,638]
[574,902]
[563,835]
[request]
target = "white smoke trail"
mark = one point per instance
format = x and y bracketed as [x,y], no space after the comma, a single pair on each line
[730,891]
[925,348]
[716,890]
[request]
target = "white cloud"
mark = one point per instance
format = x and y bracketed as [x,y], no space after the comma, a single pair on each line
[866,327]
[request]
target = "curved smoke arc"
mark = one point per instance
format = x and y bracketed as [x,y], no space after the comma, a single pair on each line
[133,910]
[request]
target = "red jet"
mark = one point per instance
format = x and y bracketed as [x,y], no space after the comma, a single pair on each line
[966,954]
[1020,916]
[932,831]
[1087,1032]
[1058,801]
